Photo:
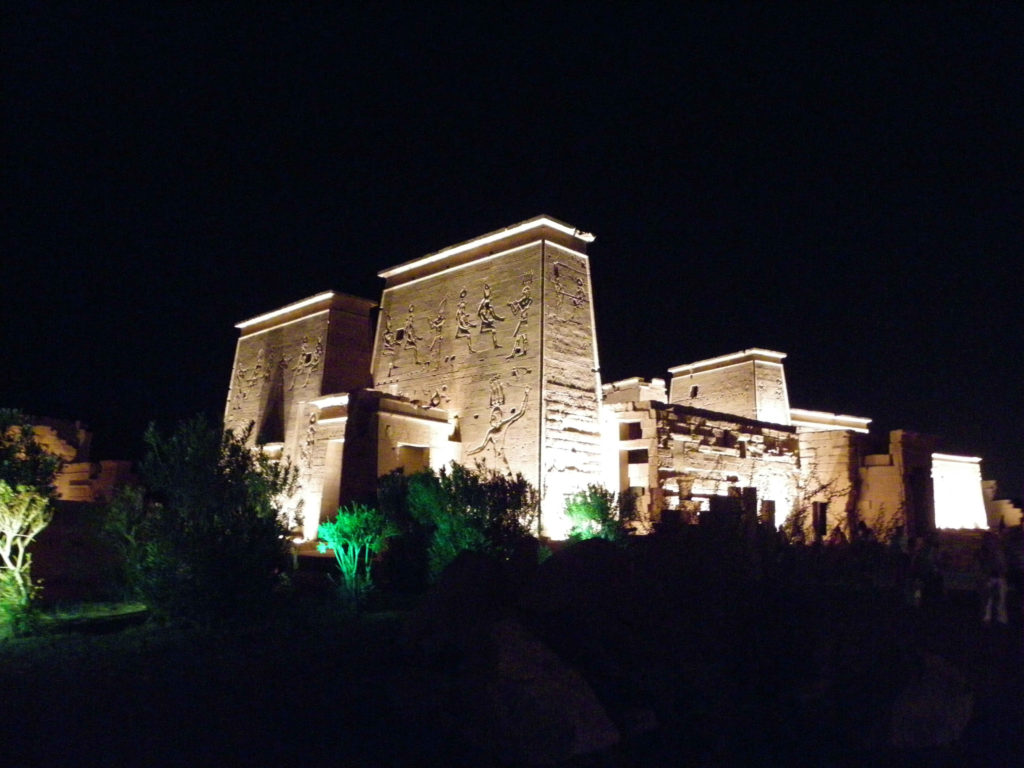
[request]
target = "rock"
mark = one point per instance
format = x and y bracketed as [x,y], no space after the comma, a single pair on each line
[589,605]
[934,709]
[518,698]
[470,593]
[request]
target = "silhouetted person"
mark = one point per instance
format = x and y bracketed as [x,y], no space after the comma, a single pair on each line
[993,567]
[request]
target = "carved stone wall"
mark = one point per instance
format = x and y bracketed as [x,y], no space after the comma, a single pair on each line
[571,437]
[504,341]
[284,361]
[466,340]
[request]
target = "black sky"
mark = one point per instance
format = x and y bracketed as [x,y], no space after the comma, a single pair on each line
[841,185]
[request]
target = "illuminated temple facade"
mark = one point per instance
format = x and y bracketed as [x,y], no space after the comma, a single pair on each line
[485,353]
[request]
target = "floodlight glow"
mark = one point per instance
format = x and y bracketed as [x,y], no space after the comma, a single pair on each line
[493,237]
[285,310]
[959,502]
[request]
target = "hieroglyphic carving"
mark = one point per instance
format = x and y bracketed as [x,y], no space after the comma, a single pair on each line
[497,431]
[463,322]
[520,308]
[574,297]
[435,397]
[485,311]
[409,336]
[437,329]
[308,360]
[387,338]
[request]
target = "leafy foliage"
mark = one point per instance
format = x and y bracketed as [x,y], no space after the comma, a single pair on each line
[597,513]
[476,510]
[24,513]
[355,534]
[23,461]
[205,537]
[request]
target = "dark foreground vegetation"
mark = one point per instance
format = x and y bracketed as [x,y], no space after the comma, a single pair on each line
[668,651]
[443,633]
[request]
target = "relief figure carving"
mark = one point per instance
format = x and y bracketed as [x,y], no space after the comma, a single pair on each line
[463,322]
[437,329]
[497,431]
[409,336]
[308,360]
[575,297]
[485,311]
[387,338]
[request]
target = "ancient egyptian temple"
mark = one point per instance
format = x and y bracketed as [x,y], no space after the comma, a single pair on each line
[485,353]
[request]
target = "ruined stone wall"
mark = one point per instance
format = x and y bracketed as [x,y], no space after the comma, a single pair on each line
[829,472]
[694,454]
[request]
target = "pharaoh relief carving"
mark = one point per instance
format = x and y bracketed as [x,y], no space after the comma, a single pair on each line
[249,379]
[308,360]
[408,336]
[488,317]
[464,324]
[520,309]
[498,428]
[570,291]
[437,332]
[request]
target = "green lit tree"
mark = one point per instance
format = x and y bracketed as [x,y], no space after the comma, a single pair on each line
[24,513]
[355,535]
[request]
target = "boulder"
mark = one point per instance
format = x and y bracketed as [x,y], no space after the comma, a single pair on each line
[515,696]
[470,593]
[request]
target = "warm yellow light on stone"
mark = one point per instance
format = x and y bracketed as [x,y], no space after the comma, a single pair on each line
[959,502]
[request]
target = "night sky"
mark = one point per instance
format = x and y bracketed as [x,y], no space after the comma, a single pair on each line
[844,186]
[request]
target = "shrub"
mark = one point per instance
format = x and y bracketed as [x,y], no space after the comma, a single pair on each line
[475,510]
[597,513]
[204,538]
[355,534]
[24,513]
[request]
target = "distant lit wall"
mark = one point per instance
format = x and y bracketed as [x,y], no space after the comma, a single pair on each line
[959,501]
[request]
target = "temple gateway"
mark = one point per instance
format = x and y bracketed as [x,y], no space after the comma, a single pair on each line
[485,353]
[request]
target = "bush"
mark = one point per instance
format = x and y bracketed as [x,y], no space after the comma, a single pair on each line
[597,513]
[470,510]
[204,538]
